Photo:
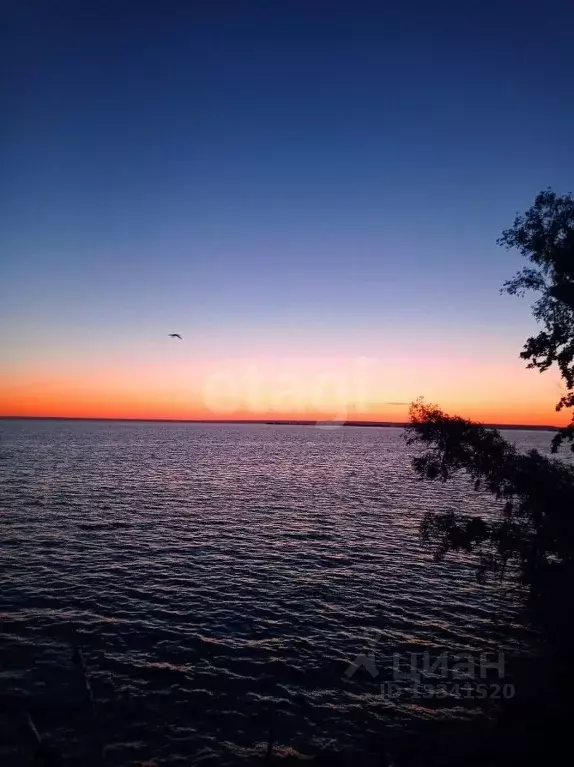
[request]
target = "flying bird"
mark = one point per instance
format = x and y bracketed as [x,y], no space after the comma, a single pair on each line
[175,335]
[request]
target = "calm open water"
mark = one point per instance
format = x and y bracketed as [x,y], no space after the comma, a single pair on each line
[216,573]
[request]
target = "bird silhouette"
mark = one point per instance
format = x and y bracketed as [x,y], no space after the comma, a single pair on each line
[175,335]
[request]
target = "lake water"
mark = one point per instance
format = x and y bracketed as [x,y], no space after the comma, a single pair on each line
[216,573]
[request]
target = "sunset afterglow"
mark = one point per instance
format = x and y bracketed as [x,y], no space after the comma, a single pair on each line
[283,388]
[289,202]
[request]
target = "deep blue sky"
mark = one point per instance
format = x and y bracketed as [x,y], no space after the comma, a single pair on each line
[325,174]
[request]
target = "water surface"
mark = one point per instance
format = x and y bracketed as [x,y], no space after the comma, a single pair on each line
[217,572]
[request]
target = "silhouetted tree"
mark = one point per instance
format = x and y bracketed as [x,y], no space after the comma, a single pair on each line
[545,236]
[535,525]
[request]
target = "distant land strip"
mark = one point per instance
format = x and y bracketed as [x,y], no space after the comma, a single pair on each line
[263,422]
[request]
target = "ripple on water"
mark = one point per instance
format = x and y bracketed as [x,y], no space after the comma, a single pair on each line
[217,573]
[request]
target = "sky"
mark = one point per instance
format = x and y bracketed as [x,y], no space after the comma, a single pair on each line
[310,193]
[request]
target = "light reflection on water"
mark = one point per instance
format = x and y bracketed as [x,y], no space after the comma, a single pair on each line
[216,571]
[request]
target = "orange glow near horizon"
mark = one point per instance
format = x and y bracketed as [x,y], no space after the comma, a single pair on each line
[293,389]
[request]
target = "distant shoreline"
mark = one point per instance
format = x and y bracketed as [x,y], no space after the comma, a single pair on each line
[265,422]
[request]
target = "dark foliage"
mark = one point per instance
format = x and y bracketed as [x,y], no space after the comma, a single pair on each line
[535,528]
[545,236]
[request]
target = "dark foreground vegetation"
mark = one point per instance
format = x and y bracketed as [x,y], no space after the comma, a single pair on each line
[533,535]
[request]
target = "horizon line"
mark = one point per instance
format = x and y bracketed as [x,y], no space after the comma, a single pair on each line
[261,421]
